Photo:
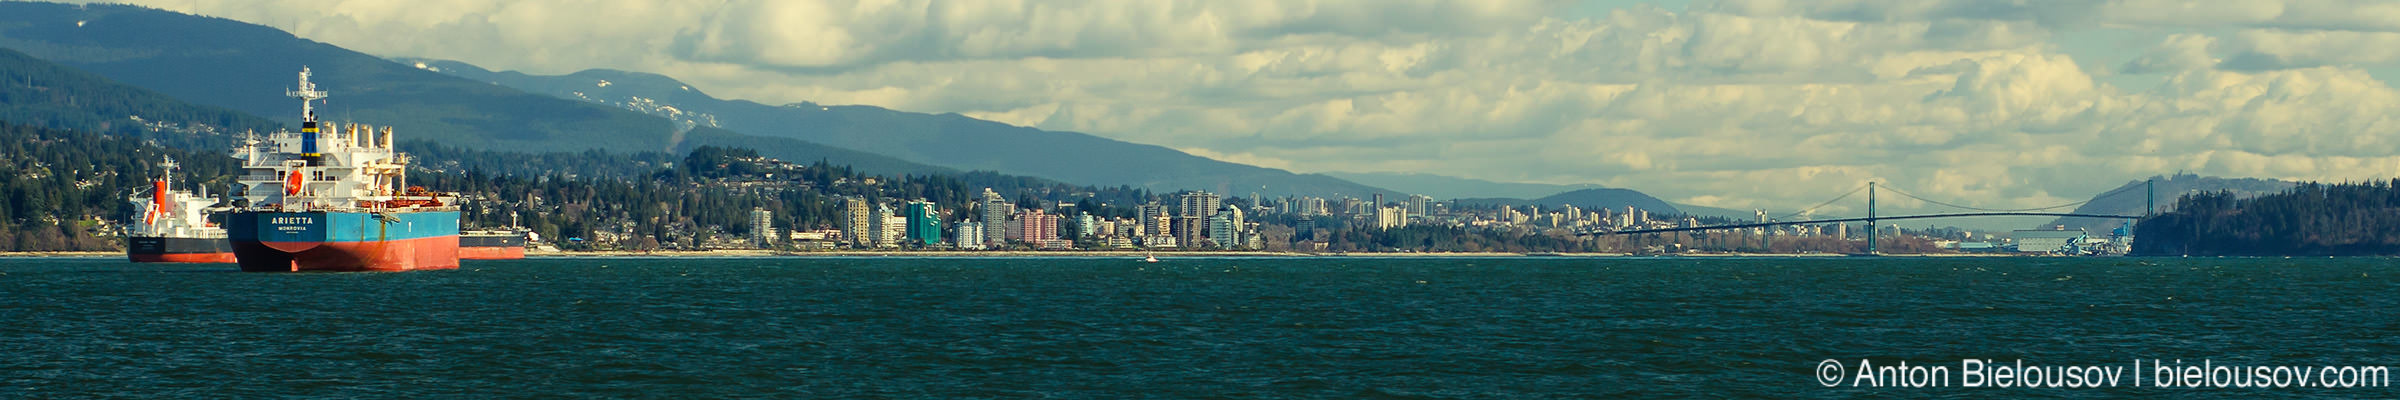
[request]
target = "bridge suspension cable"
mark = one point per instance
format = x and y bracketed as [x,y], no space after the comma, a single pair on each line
[2070,204]
[1811,209]
[1981,212]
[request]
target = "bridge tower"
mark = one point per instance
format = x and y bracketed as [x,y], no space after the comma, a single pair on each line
[2150,197]
[1871,232]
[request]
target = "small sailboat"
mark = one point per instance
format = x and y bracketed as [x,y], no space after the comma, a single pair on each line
[1146,257]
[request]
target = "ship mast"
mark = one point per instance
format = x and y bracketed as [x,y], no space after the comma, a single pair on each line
[308,95]
[166,173]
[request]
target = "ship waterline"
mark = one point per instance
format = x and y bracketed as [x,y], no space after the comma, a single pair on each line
[155,249]
[344,241]
[491,245]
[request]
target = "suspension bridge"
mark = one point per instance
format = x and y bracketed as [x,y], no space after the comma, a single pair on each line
[2149,189]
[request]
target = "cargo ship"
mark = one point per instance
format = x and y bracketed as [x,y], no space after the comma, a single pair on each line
[334,197]
[491,245]
[172,225]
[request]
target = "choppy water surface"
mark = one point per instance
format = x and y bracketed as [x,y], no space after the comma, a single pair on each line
[1183,328]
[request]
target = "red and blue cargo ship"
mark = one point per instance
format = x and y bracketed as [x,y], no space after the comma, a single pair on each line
[334,197]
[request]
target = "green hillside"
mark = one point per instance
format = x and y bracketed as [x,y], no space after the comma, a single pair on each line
[38,93]
[2307,219]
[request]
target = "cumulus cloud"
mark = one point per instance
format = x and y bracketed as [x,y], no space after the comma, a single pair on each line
[2180,52]
[2369,15]
[2262,49]
[1736,103]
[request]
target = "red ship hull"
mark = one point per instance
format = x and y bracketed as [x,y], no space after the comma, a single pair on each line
[491,252]
[432,253]
[210,258]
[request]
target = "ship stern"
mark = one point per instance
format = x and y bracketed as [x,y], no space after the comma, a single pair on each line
[344,241]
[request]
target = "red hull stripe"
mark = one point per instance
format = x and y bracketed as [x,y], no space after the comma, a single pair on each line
[212,258]
[440,252]
[491,253]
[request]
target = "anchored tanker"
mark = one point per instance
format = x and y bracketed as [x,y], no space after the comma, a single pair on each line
[491,245]
[328,198]
[172,226]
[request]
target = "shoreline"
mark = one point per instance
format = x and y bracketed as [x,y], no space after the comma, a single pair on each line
[1185,254]
[119,254]
[1089,254]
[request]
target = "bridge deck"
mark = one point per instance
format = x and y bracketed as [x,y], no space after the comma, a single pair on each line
[1838,220]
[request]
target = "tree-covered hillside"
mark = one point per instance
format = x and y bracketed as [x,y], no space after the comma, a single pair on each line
[2132,197]
[64,189]
[2309,219]
[39,93]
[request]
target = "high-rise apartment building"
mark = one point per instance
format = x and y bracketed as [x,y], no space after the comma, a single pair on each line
[1198,204]
[995,217]
[1037,227]
[1085,225]
[968,235]
[886,227]
[891,233]
[924,227]
[1225,228]
[1390,217]
[1190,231]
[762,227]
[856,221]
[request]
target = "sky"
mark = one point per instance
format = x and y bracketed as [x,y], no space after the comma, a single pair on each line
[1735,103]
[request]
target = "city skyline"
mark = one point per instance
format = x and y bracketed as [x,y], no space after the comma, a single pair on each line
[1734,104]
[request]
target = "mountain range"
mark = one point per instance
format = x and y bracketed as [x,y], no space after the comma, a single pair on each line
[40,93]
[1478,191]
[238,66]
[1588,199]
[1450,187]
[241,66]
[948,140]
[2130,199]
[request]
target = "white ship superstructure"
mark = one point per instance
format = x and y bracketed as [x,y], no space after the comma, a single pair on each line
[165,212]
[327,166]
[335,197]
[173,226]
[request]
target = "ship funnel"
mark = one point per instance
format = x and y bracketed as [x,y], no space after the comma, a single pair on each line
[386,140]
[308,141]
[158,201]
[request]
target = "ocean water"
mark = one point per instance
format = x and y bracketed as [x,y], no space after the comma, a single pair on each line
[1110,328]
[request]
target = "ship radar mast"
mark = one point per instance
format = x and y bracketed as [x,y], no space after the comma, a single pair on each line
[308,95]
